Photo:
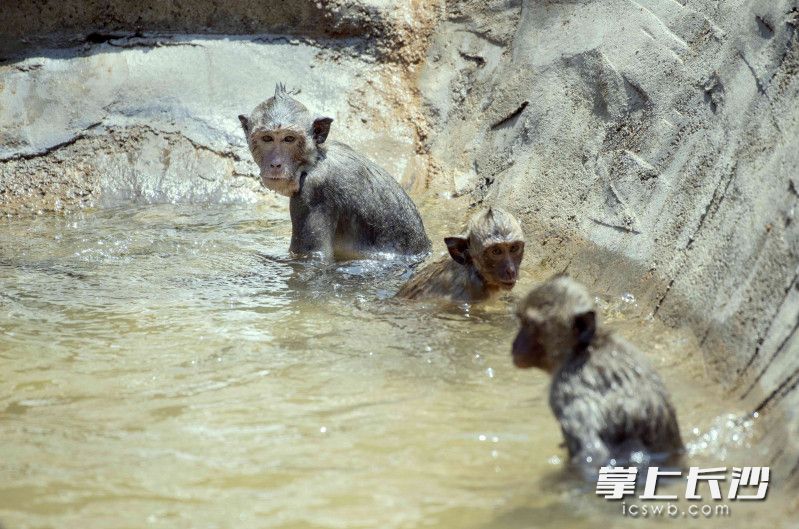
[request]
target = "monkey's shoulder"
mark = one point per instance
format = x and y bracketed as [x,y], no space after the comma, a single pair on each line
[442,278]
[349,169]
[368,211]
[609,365]
[428,279]
[615,394]
[347,181]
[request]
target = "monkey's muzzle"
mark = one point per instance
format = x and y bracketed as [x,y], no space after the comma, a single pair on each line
[280,183]
[269,180]
[524,350]
[274,175]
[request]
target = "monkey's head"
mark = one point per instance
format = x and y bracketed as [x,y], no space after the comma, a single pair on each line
[284,139]
[493,244]
[558,319]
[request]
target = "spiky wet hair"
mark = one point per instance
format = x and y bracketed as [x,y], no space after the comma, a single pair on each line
[567,291]
[282,111]
[491,226]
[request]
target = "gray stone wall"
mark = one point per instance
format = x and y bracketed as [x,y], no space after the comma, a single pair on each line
[652,147]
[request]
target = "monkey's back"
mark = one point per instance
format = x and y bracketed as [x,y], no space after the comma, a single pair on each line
[610,401]
[371,210]
[443,278]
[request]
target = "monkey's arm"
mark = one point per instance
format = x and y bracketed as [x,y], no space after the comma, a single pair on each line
[646,404]
[442,279]
[311,230]
[424,283]
[578,408]
[583,438]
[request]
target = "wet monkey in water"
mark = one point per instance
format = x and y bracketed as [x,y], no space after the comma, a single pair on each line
[609,401]
[342,204]
[482,262]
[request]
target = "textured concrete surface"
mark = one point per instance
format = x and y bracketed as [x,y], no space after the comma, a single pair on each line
[650,146]
[393,24]
[155,119]
[102,102]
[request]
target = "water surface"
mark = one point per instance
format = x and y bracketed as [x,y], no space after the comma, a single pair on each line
[171,366]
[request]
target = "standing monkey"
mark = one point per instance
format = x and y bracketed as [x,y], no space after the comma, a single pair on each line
[609,401]
[482,262]
[342,204]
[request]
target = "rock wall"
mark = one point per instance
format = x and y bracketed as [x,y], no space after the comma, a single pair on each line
[391,25]
[96,111]
[650,146]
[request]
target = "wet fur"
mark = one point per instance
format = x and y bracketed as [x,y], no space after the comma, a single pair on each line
[465,281]
[461,283]
[610,402]
[342,204]
[348,206]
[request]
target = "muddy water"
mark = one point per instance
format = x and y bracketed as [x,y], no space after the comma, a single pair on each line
[171,367]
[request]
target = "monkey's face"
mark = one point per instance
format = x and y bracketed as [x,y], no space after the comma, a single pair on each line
[499,263]
[280,154]
[284,140]
[531,347]
[557,321]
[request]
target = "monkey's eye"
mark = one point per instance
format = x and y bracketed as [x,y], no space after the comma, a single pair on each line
[514,248]
[496,251]
[289,139]
[267,139]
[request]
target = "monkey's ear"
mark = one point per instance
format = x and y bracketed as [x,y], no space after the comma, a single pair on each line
[245,123]
[458,249]
[585,327]
[321,126]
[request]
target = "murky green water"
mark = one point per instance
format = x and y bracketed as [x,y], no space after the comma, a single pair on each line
[171,367]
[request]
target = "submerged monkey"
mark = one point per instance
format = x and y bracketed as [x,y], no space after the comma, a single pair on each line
[609,401]
[482,262]
[342,204]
